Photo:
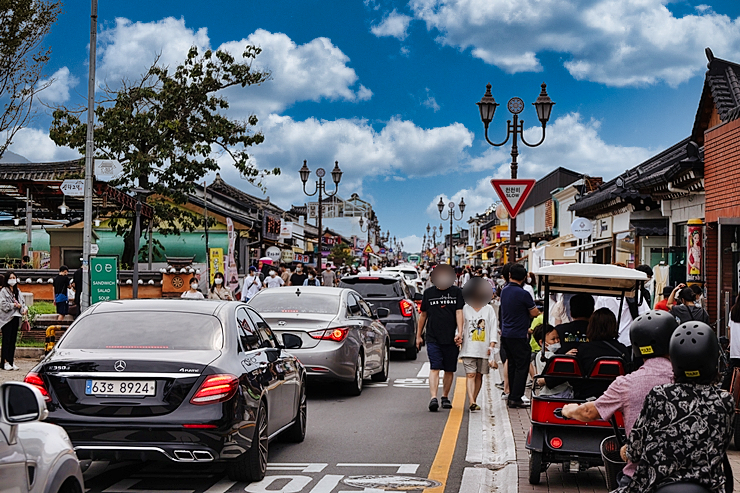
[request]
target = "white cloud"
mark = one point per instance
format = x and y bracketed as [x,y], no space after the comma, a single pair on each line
[400,149]
[430,101]
[309,72]
[35,145]
[614,42]
[411,243]
[570,143]
[394,25]
[58,91]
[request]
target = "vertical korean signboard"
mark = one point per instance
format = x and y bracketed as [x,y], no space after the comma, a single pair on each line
[217,264]
[103,279]
[694,254]
[230,271]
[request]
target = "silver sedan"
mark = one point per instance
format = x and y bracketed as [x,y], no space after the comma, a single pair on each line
[343,339]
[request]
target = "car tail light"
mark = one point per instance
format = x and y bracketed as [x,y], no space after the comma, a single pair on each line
[337,334]
[216,388]
[556,442]
[35,380]
[407,308]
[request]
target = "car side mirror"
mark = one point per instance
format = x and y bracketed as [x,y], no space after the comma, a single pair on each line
[292,341]
[382,312]
[21,403]
[418,296]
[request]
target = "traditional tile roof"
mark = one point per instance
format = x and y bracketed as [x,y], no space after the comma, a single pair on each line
[721,91]
[220,186]
[41,171]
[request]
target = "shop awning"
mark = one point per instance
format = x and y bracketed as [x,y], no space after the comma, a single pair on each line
[593,245]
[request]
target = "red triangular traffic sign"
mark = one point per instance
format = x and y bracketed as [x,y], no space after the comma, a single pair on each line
[513,193]
[368,249]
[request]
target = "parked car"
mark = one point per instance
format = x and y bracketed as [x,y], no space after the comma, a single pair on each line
[390,292]
[342,338]
[410,273]
[180,380]
[35,457]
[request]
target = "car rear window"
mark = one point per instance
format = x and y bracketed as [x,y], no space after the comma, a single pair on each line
[289,301]
[145,330]
[374,288]
[410,274]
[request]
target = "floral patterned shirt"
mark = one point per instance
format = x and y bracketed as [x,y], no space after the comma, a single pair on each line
[681,434]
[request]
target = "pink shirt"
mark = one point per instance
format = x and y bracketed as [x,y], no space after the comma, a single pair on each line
[627,393]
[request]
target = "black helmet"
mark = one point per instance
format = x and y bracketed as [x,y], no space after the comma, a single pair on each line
[651,332]
[694,352]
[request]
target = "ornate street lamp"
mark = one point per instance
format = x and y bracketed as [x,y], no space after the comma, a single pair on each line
[451,216]
[336,175]
[515,129]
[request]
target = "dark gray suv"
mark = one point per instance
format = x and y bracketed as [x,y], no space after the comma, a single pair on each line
[383,291]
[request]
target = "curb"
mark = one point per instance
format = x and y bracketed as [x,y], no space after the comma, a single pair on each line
[29,352]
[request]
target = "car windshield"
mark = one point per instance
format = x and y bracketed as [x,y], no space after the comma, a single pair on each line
[145,330]
[290,301]
[374,288]
[410,274]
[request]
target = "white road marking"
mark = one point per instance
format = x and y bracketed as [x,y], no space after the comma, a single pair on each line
[476,429]
[302,467]
[402,468]
[375,385]
[424,372]
[414,383]
[221,487]
[124,485]
[477,480]
[295,484]
[327,484]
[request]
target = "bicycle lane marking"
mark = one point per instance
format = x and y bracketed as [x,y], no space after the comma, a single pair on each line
[446,451]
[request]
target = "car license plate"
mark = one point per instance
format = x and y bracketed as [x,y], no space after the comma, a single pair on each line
[120,387]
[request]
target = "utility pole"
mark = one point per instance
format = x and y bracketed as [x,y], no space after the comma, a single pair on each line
[89,157]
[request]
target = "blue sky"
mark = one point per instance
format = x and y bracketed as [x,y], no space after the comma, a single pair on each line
[389,87]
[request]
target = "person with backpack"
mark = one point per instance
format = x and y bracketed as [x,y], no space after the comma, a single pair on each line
[687,311]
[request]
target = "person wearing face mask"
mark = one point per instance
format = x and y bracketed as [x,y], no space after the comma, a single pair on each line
[273,280]
[529,284]
[442,314]
[297,278]
[12,310]
[547,337]
[218,290]
[193,292]
[311,279]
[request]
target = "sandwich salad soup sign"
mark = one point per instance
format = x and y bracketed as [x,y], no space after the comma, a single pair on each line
[103,279]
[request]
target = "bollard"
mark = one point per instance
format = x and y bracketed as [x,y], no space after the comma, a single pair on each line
[50,337]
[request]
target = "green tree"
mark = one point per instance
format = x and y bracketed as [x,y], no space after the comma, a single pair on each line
[168,129]
[341,254]
[23,26]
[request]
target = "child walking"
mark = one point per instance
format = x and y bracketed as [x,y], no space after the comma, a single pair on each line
[478,336]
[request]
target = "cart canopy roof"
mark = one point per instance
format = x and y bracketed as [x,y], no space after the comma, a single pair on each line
[597,279]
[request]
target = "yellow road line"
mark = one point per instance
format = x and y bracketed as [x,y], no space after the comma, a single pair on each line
[446,451]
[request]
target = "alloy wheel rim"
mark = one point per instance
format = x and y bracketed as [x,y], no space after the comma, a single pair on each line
[263,442]
[387,365]
[360,372]
[302,411]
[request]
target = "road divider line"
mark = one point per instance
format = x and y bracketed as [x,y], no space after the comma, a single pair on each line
[446,450]
[424,372]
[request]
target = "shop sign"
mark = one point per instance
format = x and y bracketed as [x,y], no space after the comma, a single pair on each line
[286,230]
[694,236]
[286,256]
[581,228]
[271,226]
[217,263]
[103,279]
[274,253]
[73,188]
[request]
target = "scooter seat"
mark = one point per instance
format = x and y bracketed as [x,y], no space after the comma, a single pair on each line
[682,488]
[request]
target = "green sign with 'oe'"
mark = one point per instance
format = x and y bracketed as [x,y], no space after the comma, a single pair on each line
[103,279]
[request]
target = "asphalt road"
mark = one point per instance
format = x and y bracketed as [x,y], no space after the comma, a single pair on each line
[352,444]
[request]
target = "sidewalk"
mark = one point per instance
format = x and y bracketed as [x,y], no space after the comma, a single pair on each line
[25,366]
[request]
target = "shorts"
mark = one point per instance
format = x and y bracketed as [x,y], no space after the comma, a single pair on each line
[475,365]
[63,308]
[442,356]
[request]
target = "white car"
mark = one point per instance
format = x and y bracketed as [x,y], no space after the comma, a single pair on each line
[409,273]
[35,457]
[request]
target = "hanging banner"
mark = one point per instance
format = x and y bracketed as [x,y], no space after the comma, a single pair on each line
[217,263]
[286,230]
[695,235]
[231,274]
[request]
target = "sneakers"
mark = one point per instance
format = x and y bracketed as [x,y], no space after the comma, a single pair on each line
[474,407]
[433,405]
[504,396]
[446,404]
[499,386]
[7,367]
[15,367]
[525,399]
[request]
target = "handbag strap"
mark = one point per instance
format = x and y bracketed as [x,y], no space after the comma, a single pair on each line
[621,353]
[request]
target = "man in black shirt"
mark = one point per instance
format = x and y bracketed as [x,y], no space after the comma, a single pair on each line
[61,283]
[573,333]
[297,278]
[442,313]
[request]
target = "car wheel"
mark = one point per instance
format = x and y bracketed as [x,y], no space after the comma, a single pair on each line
[411,353]
[535,467]
[297,431]
[354,388]
[382,376]
[252,465]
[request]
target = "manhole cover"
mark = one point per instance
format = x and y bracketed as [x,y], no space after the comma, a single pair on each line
[391,483]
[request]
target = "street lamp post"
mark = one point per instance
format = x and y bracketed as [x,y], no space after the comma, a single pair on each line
[451,214]
[336,175]
[487,106]
[371,223]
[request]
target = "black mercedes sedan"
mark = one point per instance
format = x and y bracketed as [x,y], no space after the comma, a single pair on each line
[181,380]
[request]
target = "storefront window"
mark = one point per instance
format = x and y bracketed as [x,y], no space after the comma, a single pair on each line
[679,235]
[626,248]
